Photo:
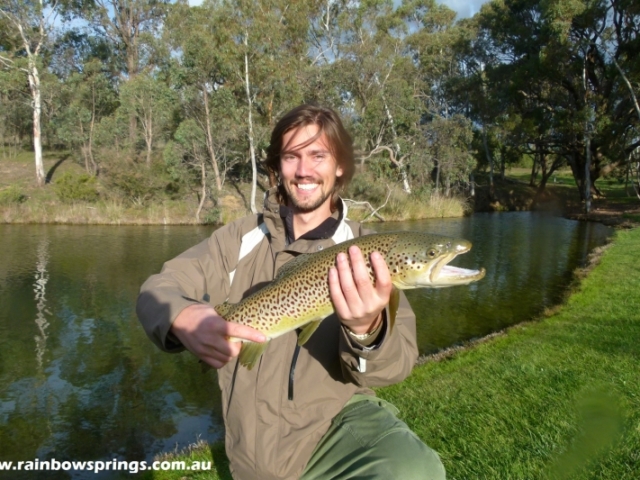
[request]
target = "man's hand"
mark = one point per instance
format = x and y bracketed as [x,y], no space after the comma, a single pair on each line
[206,334]
[357,301]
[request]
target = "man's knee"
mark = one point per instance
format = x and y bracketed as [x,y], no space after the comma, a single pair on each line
[407,457]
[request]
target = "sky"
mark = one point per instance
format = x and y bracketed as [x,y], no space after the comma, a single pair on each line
[465,8]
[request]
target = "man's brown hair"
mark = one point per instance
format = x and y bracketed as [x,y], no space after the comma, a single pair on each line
[339,142]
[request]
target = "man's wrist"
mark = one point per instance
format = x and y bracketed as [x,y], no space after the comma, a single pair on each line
[373,328]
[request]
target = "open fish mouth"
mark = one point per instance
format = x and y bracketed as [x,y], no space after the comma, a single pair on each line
[443,274]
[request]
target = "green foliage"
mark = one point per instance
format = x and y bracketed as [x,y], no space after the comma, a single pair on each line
[72,188]
[140,185]
[550,399]
[212,217]
[11,196]
[405,76]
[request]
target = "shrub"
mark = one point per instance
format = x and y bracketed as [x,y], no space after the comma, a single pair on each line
[11,195]
[139,184]
[76,188]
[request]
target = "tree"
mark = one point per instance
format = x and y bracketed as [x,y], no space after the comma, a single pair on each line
[204,74]
[272,53]
[551,65]
[151,102]
[130,26]
[189,151]
[89,98]
[29,24]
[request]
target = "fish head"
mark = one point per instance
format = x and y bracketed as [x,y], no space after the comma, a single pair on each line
[422,261]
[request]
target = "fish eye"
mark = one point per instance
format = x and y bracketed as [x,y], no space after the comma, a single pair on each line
[431,253]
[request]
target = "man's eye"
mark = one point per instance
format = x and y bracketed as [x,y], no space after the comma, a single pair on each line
[288,158]
[320,158]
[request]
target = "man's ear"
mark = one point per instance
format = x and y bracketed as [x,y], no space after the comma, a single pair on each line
[339,171]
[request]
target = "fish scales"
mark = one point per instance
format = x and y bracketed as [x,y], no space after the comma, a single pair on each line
[299,295]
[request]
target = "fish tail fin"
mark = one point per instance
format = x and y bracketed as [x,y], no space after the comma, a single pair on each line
[251,353]
[394,303]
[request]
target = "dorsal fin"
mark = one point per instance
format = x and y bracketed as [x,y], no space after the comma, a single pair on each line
[293,263]
[224,309]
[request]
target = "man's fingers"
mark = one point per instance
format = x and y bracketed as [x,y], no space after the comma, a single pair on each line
[335,292]
[347,284]
[243,332]
[383,277]
[360,270]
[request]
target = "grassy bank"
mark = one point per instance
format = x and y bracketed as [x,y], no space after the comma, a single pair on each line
[557,398]
[142,196]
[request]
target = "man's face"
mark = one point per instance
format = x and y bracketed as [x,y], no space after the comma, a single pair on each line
[308,173]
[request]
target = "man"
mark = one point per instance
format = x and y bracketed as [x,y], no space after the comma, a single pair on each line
[303,412]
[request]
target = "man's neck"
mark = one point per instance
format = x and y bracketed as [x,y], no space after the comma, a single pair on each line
[304,222]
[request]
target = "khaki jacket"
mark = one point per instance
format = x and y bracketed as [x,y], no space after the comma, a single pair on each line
[276,413]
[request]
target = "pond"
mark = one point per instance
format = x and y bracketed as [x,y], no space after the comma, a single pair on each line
[79,380]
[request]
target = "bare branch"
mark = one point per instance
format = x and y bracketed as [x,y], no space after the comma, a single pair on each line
[374,211]
[392,155]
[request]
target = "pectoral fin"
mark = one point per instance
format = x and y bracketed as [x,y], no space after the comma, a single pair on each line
[251,353]
[307,331]
[394,303]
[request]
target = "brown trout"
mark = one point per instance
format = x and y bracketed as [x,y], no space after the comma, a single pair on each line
[299,295]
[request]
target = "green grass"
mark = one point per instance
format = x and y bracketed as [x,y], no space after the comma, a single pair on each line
[557,398]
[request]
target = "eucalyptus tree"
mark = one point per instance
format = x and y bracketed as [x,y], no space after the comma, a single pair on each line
[358,50]
[26,29]
[433,45]
[189,151]
[203,73]
[271,36]
[89,98]
[130,26]
[151,102]
[553,66]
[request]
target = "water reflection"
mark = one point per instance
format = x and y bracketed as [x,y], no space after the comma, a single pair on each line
[529,258]
[39,288]
[97,389]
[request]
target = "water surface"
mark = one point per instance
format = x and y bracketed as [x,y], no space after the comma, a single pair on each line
[79,380]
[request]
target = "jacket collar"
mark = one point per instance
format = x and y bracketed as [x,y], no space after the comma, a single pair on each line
[279,221]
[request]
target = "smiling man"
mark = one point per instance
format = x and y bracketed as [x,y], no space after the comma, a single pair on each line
[303,412]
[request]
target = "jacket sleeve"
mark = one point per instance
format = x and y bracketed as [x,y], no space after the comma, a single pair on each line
[392,357]
[390,360]
[185,280]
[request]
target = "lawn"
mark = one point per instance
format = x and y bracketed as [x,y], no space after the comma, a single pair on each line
[555,398]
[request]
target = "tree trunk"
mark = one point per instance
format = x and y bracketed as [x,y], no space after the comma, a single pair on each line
[132,67]
[203,193]
[488,155]
[148,136]
[254,169]
[403,171]
[34,85]
[94,165]
[587,172]
[209,136]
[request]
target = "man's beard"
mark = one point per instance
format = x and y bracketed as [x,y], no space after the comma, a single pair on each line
[311,204]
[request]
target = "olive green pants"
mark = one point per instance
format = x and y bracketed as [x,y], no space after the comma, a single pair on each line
[367,441]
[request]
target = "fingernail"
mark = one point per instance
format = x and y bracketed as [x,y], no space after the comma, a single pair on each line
[342,257]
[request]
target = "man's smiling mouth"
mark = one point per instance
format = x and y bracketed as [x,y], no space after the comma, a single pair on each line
[307,186]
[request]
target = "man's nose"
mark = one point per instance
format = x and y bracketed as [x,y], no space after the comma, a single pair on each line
[304,167]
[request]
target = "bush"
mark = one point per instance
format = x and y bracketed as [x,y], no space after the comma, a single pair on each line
[76,188]
[139,184]
[11,195]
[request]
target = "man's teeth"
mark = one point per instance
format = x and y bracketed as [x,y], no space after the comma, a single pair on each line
[307,186]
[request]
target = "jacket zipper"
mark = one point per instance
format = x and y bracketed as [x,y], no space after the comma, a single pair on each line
[293,369]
